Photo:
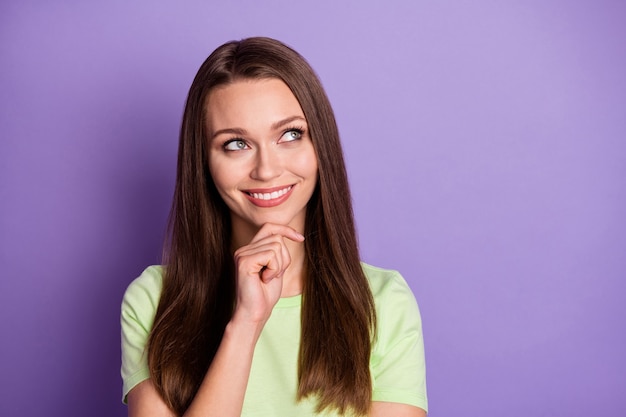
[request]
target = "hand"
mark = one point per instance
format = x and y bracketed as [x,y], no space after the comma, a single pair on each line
[259,268]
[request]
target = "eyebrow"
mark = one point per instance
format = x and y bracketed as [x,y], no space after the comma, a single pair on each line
[286,121]
[275,126]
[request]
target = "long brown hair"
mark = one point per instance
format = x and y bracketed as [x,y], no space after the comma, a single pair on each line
[338,314]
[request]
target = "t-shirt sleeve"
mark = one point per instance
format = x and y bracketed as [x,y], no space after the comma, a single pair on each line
[397,363]
[137,316]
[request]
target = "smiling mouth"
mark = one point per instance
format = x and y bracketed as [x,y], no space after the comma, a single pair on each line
[270,195]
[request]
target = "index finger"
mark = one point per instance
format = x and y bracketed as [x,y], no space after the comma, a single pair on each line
[270,229]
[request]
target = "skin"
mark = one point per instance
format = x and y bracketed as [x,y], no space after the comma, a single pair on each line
[259,141]
[258,144]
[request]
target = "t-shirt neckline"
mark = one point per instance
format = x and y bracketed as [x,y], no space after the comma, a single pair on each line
[287,302]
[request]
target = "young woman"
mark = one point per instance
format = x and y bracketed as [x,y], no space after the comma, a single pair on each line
[263,307]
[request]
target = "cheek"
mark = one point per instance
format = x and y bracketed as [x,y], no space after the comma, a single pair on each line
[307,163]
[219,174]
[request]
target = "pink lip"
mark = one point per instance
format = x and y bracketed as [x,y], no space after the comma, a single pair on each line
[271,202]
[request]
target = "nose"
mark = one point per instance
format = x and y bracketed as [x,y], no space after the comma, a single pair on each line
[267,164]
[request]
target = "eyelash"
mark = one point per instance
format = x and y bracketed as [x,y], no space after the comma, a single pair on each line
[299,130]
[229,141]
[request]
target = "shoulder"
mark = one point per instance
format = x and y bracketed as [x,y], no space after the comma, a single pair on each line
[142,295]
[396,307]
[385,282]
[150,281]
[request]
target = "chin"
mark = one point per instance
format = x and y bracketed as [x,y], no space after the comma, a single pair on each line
[275,218]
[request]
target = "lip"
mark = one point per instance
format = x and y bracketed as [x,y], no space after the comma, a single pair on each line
[283,192]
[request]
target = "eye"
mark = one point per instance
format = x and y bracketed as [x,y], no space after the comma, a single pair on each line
[235,145]
[291,135]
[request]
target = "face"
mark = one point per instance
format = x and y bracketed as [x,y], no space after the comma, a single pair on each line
[261,157]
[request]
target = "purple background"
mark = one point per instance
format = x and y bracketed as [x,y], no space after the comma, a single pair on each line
[486,148]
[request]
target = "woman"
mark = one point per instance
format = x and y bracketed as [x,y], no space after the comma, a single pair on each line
[264,308]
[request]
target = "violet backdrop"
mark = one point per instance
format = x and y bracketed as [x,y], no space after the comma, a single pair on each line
[485,142]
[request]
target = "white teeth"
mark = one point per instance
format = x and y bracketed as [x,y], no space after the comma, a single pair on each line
[271,196]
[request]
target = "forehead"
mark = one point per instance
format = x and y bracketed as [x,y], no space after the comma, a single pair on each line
[254,102]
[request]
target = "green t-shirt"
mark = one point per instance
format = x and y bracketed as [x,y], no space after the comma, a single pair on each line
[396,365]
